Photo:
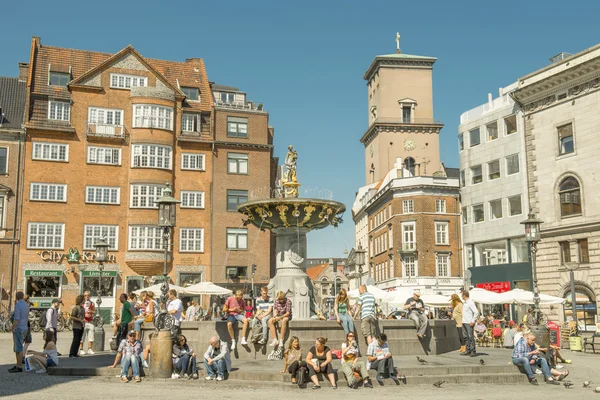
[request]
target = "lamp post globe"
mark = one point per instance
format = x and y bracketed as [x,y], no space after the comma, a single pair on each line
[359,254]
[101,257]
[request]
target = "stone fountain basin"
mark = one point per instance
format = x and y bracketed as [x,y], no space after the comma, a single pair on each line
[293,212]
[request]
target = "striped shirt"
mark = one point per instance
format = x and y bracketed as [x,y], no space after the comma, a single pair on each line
[367,305]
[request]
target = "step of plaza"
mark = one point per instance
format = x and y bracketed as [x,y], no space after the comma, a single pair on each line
[451,368]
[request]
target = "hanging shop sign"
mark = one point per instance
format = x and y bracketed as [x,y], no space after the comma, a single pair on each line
[498,287]
[29,272]
[96,274]
[72,256]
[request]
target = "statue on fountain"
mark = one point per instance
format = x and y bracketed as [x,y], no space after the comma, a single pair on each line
[289,179]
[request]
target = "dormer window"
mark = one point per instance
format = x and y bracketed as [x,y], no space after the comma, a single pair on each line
[192,94]
[59,78]
[122,81]
[227,97]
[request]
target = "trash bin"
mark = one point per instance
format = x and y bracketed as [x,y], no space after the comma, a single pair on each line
[575,343]
[98,339]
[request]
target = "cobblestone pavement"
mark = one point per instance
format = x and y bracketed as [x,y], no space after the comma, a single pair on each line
[36,386]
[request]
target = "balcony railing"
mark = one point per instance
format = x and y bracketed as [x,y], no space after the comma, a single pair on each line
[401,120]
[106,131]
[408,247]
[240,105]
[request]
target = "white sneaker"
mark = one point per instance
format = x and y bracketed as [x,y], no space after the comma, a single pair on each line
[560,366]
[40,371]
[175,376]
[233,345]
[209,378]
[220,378]
[91,352]
[262,341]
[82,352]
[145,364]
[243,342]
[274,343]
[538,371]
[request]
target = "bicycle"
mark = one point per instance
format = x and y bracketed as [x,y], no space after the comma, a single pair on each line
[64,321]
[35,318]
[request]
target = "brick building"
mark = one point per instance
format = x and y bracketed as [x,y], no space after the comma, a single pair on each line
[105,133]
[12,107]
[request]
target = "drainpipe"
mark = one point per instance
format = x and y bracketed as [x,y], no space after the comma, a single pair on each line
[17,216]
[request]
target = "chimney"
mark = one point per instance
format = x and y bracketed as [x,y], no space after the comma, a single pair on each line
[23,71]
[490,100]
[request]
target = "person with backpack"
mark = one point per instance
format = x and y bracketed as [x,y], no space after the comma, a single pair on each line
[293,362]
[77,316]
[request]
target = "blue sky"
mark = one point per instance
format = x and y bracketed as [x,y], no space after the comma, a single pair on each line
[305,62]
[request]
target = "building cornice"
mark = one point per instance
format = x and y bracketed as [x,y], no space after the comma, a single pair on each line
[383,62]
[375,129]
[551,232]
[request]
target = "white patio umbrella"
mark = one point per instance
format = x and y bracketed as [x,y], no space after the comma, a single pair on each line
[156,289]
[207,288]
[520,296]
[375,291]
[485,296]
[436,300]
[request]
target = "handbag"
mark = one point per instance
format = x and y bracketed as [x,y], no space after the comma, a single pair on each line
[149,317]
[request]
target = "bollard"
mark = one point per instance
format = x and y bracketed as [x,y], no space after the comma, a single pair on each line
[98,339]
[161,353]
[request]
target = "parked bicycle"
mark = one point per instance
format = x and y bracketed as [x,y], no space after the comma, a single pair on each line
[5,322]
[35,320]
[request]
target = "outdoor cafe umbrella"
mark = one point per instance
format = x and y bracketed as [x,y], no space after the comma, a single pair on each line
[156,289]
[483,296]
[207,288]
[375,291]
[520,296]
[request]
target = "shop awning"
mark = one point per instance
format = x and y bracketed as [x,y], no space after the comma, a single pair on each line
[43,272]
[96,274]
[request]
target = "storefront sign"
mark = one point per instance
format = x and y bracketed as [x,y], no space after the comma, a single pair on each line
[30,272]
[96,274]
[72,256]
[498,287]
[40,302]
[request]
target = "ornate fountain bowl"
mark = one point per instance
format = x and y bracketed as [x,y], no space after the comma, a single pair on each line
[293,212]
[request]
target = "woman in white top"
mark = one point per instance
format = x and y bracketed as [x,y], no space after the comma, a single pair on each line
[353,368]
[48,357]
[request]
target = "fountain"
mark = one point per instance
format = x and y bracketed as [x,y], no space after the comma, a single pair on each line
[291,218]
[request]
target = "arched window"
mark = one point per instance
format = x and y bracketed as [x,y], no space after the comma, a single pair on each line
[324,286]
[586,307]
[570,197]
[409,164]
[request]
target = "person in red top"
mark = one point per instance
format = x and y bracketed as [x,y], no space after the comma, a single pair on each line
[235,306]
[88,329]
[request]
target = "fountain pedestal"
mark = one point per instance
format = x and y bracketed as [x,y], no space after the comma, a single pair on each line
[290,275]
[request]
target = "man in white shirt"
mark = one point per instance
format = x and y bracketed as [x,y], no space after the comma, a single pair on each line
[52,318]
[175,306]
[469,316]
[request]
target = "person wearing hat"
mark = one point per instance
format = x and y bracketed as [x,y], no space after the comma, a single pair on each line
[129,353]
[52,319]
[416,311]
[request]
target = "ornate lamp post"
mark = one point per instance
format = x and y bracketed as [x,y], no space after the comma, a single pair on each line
[101,257]
[536,321]
[572,267]
[359,260]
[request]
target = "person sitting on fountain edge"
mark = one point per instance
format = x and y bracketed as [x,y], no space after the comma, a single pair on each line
[526,354]
[380,359]
[416,312]
[264,310]
[217,360]
[282,314]
[234,307]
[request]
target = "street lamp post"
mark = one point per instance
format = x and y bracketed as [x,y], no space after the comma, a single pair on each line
[359,260]
[572,267]
[536,321]
[101,257]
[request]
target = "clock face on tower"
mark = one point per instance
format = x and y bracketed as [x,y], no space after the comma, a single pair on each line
[409,145]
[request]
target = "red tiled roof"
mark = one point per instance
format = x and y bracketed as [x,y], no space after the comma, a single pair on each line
[314,272]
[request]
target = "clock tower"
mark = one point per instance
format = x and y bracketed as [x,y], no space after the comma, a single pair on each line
[401,122]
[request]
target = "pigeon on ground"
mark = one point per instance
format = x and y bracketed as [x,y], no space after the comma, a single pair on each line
[597,390]
[481,361]
[586,384]
[567,385]
[419,359]
[439,384]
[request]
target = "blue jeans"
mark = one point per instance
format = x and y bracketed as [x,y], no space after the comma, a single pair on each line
[540,362]
[217,367]
[137,325]
[181,366]
[134,362]
[347,322]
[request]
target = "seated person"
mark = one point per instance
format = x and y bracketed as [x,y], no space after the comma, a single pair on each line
[282,314]
[509,335]
[217,360]
[416,312]
[318,360]
[48,357]
[352,365]
[264,311]
[129,354]
[235,308]
[292,358]
[480,329]
[380,359]
[147,352]
[526,354]
[185,359]
[497,334]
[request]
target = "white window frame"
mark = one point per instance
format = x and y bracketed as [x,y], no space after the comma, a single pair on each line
[138,159]
[198,158]
[518,164]
[415,265]
[238,157]
[473,211]
[63,106]
[510,214]
[496,201]
[48,186]
[187,195]
[440,206]
[489,170]
[149,198]
[100,116]
[410,234]
[473,174]
[6,160]
[114,152]
[237,232]
[152,232]
[30,225]
[53,148]
[487,131]
[103,189]
[408,206]
[126,81]
[441,233]
[465,216]
[237,127]
[190,118]
[438,264]
[99,231]
[184,240]
[149,116]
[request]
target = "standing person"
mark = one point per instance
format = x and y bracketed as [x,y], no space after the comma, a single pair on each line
[341,307]
[470,315]
[52,319]
[48,357]
[217,360]
[19,330]
[175,308]
[292,358]
[264,311]
[129,353]
[351,364]
[77,316]
[88,327]
[28,339]
[190,313]
[366,310]
[509,335]
[282,315]
[185,359]
[235,307]
[126,318]
[416,312]
[318,360]
[380,359]
[456,314]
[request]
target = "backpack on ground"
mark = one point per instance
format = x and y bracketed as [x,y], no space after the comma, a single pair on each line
[256,332]
[302,376]
[276,354]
